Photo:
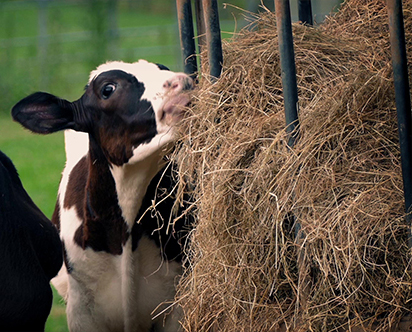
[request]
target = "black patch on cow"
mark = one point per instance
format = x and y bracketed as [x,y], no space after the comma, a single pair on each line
[56,214]
[162,67]
[92,191]
[171,239]
[30,255]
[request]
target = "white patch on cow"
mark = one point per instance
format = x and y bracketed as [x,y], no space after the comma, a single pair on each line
[69,223]
[158,145]
[76,145]
[96,298]
[132,180]
[61,282]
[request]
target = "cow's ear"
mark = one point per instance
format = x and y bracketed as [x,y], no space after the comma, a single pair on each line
[44,113]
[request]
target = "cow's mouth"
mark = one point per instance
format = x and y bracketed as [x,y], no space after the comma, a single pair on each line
[174,108]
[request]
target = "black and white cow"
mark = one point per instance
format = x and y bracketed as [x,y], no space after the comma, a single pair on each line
[30,255]
[122,258]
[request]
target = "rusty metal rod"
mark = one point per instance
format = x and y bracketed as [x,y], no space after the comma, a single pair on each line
[214,42]
[305,12]
[186,33]
[403,100]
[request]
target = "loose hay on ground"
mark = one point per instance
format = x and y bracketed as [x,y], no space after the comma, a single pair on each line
[247,271]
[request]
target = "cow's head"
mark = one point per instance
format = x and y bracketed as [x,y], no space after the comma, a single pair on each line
[128,109]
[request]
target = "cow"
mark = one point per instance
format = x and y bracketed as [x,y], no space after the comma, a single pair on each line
[122,254]
[30,255]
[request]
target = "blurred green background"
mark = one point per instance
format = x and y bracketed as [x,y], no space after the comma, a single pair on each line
[52,45]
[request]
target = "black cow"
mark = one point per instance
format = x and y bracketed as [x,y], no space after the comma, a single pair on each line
[30,255]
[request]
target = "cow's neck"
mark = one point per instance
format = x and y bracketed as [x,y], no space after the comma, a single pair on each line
[101,195]
[131,184]
[103,227]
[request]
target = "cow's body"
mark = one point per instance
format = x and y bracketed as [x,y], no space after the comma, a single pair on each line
[122,259]
[30,255]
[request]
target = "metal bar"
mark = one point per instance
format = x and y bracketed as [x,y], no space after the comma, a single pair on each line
[187,41]
[403,100]
[214,42]
[305,12]
[288,69]
[200,25]
[290,96]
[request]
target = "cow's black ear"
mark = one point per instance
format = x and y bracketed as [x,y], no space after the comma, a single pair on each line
[162,67]
[43,113]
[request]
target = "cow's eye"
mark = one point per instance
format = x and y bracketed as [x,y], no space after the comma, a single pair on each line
[108,90]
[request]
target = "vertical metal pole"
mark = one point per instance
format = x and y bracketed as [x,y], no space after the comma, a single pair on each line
[403,100]
[288,69]
[214,42]
[290,96]
[200,25]
[305,12]
[187,41]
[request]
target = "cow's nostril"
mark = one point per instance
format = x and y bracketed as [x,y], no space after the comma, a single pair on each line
[176,85]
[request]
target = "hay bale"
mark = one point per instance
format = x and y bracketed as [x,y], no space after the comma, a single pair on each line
[349,267]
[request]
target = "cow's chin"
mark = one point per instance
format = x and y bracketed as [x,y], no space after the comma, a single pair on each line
[169,114]
[152,153]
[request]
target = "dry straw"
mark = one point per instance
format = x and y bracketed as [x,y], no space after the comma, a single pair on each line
[348,268]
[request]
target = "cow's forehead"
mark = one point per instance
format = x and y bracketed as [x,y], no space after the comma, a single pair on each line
[143,70]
